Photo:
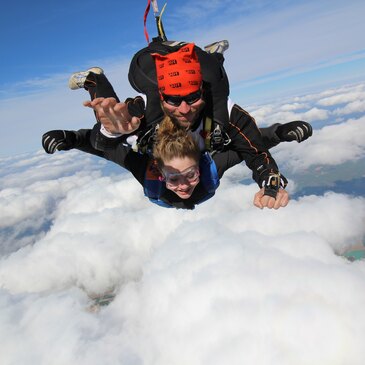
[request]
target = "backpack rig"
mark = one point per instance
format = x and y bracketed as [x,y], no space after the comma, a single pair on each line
[142,77]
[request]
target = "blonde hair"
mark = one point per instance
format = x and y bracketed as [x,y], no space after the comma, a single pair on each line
[172,142]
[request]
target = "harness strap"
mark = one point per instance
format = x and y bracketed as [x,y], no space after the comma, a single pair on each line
[214,139]
[158,18]
[145,20]
[161,31]
[207,132]
[146,140]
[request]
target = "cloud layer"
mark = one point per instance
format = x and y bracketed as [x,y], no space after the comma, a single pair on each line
[337,116]
[226,282]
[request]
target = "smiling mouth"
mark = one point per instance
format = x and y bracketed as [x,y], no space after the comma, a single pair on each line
[186,118]
[185,192]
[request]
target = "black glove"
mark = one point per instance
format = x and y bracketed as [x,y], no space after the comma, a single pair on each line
[273,183]
[59,140]
[136,107]
[294,131]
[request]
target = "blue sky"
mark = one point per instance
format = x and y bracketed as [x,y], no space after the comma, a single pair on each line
[277,49]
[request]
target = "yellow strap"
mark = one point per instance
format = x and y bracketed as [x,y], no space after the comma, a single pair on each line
[160,19]
[207,131]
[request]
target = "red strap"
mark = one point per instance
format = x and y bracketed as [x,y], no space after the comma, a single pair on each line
[145,20]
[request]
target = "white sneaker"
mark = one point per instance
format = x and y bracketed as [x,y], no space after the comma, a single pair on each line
[77,79]
[217,47]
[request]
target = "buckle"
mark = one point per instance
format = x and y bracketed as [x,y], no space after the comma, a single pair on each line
[273,184]
[216,139]
[145,141]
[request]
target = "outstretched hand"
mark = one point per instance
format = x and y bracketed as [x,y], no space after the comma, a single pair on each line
[265,201]
[113,116]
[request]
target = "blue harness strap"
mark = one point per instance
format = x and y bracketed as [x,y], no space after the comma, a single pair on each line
[208,173]
[154,185]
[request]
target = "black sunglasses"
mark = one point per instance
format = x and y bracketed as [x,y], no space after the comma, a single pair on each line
[176,100]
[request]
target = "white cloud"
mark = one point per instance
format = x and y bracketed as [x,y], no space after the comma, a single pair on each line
[262,113]
[331,145]
[332,109]
[293,106]
[268,115]
[214,285]
[357,106]
[314,114]
[31,188]
[344,95]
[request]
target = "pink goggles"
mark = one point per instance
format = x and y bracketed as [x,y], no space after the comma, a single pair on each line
[174,179]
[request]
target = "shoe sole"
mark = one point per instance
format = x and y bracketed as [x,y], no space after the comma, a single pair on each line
[74,83]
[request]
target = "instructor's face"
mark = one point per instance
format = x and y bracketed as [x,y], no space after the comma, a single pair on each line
[185,115]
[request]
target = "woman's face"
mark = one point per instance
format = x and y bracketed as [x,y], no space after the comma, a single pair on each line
[181,176]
